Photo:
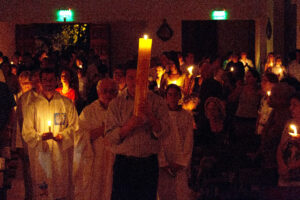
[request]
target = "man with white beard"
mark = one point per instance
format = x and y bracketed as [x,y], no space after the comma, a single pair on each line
[93,159]
[49,124]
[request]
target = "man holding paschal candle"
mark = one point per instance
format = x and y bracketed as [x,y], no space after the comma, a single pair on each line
[49,124]
[134,127]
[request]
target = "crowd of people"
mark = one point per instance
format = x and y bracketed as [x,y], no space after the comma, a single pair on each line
[73,128]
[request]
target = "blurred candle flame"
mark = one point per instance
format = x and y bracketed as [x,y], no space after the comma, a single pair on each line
[294,132]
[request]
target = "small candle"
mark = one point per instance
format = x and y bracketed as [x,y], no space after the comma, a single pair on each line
[80,66]
[49,125]
[190,69]
[269,93]
[11,62]
[293,129]
[231,69]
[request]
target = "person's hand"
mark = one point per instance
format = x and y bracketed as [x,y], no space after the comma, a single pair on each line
[58,138]
[133,123]
[47,136]
[97,132]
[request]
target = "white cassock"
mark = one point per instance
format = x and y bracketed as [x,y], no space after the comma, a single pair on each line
[176,147]
[93,161]
[50,161]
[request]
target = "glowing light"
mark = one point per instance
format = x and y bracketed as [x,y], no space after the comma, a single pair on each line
[11,62]
[268,93]
[294,132]
[219,15]
[80,66]
[145,37]
[280,70]
[173,82]
[190,69]
[231,69]
[49,125]
[65,15]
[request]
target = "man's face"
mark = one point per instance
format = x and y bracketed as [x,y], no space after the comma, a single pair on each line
[118,76]
[130,80]
[48,81]
[159,71]
[173,97]
[107,92]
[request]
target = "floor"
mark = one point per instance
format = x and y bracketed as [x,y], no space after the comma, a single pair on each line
[17,189]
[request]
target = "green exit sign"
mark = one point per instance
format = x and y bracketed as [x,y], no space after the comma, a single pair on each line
[65,15]
[219,15]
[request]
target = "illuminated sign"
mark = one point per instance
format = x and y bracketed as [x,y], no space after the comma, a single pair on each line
[219,15]
[65,15]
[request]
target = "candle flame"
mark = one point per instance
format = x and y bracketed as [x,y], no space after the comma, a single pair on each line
[280,70]
[294,129]
[145,37]
[190,69]
[269,93]
[174,82]
[231,69]
[11,62]
[80,66]
[49,123]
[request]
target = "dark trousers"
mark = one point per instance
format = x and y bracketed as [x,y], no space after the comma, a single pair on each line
[135,178]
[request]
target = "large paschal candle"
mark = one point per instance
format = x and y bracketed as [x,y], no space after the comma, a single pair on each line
[141,88]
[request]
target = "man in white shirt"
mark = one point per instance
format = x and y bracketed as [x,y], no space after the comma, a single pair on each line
[135,140]
[93,159]
[48,128]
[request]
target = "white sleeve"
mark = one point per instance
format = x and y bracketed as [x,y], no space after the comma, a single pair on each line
[29,132]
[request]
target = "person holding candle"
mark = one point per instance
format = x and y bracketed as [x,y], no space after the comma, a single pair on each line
[289,148]
[50,153]
[279,100]
[267,82]
[278,68]
[176,150]
[135,140]
[93,159]
[174,75]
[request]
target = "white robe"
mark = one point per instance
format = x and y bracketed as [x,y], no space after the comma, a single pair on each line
[93,161]
[176,147]
[50,161]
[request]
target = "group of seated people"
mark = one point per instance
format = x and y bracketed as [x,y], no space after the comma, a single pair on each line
[222,118]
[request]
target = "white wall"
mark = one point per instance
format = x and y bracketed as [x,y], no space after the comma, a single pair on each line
[151,12]
[7,38]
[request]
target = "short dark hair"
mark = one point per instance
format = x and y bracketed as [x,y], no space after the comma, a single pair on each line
[176,87]
[47,71]
[272,78]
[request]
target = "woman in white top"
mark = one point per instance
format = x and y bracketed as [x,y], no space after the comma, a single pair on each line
[176,150]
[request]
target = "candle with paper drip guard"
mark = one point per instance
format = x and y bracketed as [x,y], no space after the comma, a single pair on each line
[293,131]
[49,125]
[141,88]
